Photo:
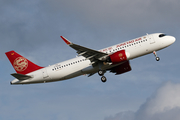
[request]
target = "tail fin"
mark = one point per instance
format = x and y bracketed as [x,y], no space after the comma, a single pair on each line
[21,64]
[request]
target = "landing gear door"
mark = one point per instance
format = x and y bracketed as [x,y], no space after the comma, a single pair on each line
[151,39]
[44,73]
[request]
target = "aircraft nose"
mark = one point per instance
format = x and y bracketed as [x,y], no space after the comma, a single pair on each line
[170,40]
[173,39]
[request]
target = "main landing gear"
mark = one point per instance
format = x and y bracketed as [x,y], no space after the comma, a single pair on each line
[101,73]
[157,58]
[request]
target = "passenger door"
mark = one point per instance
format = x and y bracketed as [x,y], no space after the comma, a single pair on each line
[151,39]
[44,73]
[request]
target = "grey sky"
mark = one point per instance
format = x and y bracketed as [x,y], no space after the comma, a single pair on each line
[32,28]
[162,105]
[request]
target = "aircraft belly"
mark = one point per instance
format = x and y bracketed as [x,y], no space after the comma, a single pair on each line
[90,69]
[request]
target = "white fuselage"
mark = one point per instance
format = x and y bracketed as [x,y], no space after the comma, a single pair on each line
[80,65]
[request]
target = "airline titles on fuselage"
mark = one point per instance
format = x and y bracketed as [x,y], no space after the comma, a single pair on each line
[131,42]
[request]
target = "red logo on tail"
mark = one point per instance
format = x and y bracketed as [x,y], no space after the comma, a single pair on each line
[20,64]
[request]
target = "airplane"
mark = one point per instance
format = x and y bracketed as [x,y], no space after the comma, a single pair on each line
[88,61]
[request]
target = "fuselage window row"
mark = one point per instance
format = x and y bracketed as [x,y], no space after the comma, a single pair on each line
[68,64]
[119,48]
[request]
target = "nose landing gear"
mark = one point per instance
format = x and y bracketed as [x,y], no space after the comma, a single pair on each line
[157,58]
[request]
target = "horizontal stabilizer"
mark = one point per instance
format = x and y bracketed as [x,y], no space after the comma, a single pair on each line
[21,76]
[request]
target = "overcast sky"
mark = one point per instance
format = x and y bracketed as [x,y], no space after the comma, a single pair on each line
[32,28]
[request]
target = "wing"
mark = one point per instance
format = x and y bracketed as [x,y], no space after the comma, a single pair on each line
[94,56]
[90,54]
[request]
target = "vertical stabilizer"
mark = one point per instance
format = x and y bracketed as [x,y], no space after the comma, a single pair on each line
[21,64]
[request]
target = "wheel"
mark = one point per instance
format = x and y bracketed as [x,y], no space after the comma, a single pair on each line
[157,58]
[100,72]
[103,79]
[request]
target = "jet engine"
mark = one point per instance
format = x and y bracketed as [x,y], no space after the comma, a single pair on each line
[117,57]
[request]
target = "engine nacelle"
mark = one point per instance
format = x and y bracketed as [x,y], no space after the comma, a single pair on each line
[117,57]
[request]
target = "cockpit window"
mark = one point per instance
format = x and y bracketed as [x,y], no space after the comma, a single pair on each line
[162,35]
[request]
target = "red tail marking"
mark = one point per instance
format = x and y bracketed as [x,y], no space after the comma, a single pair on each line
[21,64]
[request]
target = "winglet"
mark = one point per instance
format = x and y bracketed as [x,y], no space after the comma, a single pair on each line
[66,41]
